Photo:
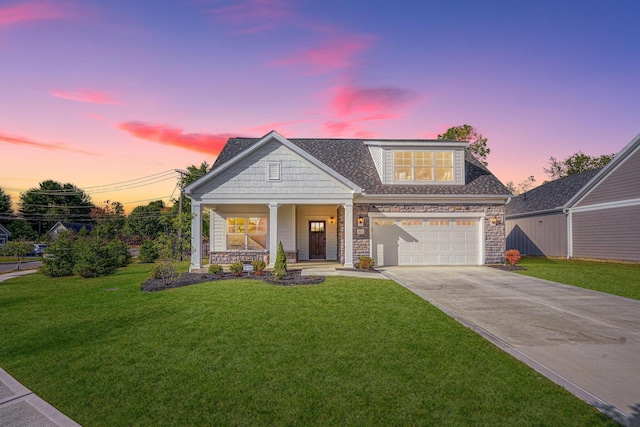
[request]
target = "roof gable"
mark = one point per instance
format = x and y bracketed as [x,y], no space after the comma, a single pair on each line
[351,159]
[4,231]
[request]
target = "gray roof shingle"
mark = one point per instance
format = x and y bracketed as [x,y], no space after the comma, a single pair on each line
[351,159]
[549,196]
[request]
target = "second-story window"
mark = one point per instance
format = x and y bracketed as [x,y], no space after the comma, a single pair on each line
[423,166]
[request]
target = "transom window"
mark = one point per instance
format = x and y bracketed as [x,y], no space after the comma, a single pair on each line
[423,165]
[246,233]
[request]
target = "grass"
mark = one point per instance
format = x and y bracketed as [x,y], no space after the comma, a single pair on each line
[346,352]
[612,278]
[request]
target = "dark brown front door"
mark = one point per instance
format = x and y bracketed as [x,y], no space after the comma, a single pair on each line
[317,240]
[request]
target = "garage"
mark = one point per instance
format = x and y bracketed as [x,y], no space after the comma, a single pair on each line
[426,241]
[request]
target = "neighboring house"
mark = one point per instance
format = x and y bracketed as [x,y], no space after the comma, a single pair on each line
[402,202]
[67,226]
[4,235]
[592,215]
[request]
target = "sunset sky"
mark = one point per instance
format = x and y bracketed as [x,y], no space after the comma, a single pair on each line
[112,95]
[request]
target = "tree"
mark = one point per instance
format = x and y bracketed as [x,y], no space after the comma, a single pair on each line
[148,221]
[21,230]
[6,209]
[17,248]
[60,260]
[467,133]
[109,219]
[576,163]
[51,202]
[522,187]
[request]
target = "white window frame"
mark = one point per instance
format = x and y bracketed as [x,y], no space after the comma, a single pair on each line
[433,167]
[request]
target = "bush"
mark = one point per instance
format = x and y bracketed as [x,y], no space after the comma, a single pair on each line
[280,266]
[236,268]
[165,270]
[148,252]
[215,269]
[59,259]
[258,266]
[93,257]
[513,256]
[119,253]
[365,263]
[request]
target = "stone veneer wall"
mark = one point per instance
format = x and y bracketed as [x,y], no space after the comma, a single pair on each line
[229,257]
[494,235]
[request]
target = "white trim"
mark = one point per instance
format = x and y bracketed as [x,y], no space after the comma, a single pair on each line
[607,205]
[273,233]
[348,235]
[424,144]
[261,199]
[431,198]
[273,171]
[569,234]
[196,236]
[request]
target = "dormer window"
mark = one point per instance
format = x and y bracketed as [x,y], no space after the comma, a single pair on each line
[423,166]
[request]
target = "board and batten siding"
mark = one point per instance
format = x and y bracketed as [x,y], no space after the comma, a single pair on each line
[542,235]
[248,177]
[607,233]
[621,184]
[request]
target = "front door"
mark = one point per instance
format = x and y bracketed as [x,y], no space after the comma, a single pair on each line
[317,240]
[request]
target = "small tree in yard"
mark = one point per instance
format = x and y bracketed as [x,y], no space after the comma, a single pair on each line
[165,268]
[93,257]
[59,260]
[148,252]
[513,256]
[280,267]
[17,248]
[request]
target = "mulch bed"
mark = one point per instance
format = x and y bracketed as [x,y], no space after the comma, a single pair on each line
[292,278]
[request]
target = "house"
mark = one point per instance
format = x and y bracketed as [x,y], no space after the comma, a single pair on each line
[4,235]
[402,202]
[67,226]
[592,215]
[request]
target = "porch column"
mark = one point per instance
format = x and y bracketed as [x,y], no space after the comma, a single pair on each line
[212,232]
[273,233]
[348,235]
[196,235]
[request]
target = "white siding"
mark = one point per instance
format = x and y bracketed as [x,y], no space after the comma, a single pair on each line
[249,176]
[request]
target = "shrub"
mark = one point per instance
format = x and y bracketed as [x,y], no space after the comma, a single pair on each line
[236,268]
[59,260]
[119,253]
[93,257]
[148,252]
[365,263]
[258,266]
[280,266]
[166,268]
[17,248]
[513,256]
[215,269]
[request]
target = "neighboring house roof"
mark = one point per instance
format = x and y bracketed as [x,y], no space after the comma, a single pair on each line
[549,197]
[72,226]
[3,230]
[351,159]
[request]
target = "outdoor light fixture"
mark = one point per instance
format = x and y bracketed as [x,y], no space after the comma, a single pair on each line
[360,221]
[332,220]
[495,220]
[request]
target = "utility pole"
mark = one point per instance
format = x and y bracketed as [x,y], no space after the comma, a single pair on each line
[180,181]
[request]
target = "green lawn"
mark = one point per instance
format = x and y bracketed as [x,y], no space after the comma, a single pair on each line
[616,279]
[346,352]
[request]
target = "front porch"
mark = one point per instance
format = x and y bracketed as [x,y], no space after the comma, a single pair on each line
[247,232]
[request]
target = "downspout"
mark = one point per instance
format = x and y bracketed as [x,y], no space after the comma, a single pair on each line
[567,212]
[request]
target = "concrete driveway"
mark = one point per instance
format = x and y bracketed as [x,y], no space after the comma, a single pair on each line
[586,341]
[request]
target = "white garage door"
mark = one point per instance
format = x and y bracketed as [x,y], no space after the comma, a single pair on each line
[426,241]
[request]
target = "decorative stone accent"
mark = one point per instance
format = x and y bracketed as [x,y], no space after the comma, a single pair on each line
[229,257]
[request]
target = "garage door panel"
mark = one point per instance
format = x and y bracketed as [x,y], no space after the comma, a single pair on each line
[426,241]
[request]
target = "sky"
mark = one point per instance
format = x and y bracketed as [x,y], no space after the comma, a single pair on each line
[113,96]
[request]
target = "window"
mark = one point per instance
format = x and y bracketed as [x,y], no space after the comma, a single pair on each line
[246,233]
[423,166]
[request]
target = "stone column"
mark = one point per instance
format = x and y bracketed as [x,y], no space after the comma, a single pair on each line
[196,235]
[348,235]
[273,233]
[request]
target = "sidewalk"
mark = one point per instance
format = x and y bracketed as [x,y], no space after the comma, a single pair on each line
[19,407]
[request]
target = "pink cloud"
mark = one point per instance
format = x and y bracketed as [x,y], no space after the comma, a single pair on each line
[252,16]
[377,101]
[163,134]
[89,96]
[29,11]
[335,53]
[52,146]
